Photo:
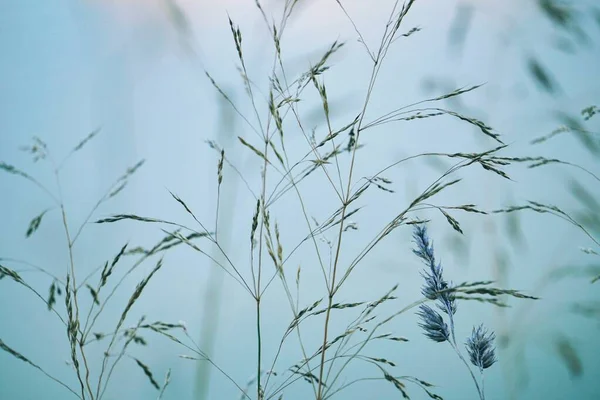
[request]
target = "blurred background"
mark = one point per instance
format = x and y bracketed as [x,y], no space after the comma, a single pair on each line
[134,70]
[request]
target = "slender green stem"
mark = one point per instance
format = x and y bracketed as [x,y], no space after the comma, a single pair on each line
[80,341]
[333,288]
[259,351]
[479,390]
[329,304]
[482,385]
[257,295]
[455,347]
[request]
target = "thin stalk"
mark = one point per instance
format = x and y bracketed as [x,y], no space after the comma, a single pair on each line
[479,391]
[455,347]
[259,351]
[259,274]
[482,384]
[333,289]
[80,342]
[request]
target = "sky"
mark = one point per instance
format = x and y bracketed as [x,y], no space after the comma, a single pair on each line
[135,70]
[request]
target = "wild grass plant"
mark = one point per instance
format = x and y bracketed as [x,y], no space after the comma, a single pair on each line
[329,152]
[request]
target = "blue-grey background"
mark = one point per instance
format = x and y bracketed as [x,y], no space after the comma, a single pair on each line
[135,69]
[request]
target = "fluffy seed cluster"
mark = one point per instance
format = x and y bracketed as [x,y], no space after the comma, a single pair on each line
[435,288]
[480,344]
[433,324]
